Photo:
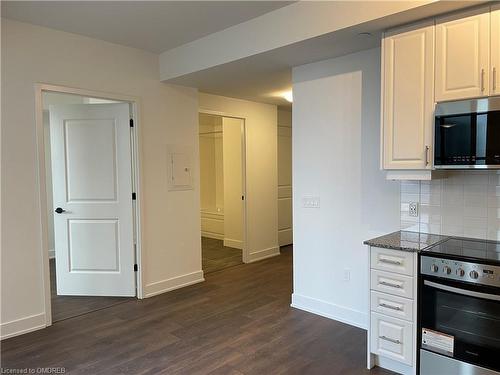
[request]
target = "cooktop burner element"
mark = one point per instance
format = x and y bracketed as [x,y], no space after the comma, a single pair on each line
[468,249]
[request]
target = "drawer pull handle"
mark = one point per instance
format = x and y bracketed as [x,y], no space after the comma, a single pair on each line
[390,340]
[390,261]
[390,284]
[397,308]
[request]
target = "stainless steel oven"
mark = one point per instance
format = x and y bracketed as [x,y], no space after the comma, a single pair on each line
[467,134]
[459,316]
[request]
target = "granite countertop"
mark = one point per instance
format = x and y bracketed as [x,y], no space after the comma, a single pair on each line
[406,241]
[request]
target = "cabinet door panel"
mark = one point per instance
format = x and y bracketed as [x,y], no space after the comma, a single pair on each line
[495,50]
[462,56]
[408,98]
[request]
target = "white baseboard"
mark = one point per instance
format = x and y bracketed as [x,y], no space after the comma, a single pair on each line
[173,283]
[23,325]
[215,236]
[285,236]
[52,253]
[329,310]
[236,244]
[263,254]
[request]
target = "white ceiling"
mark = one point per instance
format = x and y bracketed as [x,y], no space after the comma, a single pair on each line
[154,26]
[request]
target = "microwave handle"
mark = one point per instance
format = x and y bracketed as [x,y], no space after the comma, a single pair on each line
[465,292]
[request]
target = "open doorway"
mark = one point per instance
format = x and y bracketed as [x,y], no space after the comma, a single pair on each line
[222,197]
[89,174]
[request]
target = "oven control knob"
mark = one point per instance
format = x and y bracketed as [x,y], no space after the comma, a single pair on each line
[460,272]
[474,274]
[434,268]
[447,270]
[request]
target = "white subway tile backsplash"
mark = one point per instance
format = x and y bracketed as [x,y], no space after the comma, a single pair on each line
[464,203]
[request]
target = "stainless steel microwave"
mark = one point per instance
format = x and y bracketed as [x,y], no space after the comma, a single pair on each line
[467,134]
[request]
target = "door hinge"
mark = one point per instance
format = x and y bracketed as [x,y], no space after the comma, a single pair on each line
[131,122]
[134,197]
[136,268]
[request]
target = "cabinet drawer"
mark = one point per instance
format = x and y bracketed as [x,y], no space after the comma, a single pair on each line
[391,338]
[392,260]
[392,283]
[388,304]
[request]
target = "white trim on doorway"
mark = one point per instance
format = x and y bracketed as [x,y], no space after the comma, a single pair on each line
[42,199]
[244,246]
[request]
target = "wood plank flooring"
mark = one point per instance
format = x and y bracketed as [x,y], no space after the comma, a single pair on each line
[216,256]
[64,307]
[239,321]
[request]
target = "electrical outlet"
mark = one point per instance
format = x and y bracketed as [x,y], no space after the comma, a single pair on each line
[413,209]
[347,274]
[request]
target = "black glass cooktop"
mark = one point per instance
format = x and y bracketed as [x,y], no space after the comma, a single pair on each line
[467,249]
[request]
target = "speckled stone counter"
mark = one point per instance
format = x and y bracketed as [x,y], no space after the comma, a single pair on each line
[406,241]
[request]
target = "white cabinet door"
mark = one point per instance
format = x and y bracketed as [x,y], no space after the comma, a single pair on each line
[92,190]
[463,56]
[392,338]
[408,98]
[285,223]
[495,51]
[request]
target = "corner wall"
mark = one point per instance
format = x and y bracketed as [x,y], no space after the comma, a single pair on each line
[336,132]
[168,116]
[261,170]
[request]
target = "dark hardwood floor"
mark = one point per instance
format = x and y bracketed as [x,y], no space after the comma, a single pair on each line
[216,256]
[239,321]
[64,307]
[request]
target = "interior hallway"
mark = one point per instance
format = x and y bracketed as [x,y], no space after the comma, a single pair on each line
[216,256]
[239,321]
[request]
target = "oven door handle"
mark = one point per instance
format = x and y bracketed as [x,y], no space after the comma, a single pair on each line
[465,292]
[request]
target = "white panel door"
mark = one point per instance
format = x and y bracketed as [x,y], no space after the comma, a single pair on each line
[92,190]
[408,99]
[463,56]
[495,50]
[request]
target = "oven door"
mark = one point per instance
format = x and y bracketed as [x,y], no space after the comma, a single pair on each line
[460,321]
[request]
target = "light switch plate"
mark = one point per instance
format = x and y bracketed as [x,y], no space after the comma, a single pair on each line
[310,202]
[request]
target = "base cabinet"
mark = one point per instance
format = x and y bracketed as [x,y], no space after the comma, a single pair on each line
[393,310]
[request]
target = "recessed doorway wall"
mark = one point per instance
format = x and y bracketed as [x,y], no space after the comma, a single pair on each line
[221,191]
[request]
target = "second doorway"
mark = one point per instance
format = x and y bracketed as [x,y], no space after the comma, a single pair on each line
[222,196]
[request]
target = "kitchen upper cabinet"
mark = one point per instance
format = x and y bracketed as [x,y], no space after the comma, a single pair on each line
[463,56]
[408,98]
[495,51]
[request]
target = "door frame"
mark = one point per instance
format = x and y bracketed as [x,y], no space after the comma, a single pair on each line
[245,252]
[135,139]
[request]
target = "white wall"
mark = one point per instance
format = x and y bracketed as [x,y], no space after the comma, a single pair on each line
[233,186]
[462,203]
[285,220]
[168,115]
[261,170]
[336,126]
